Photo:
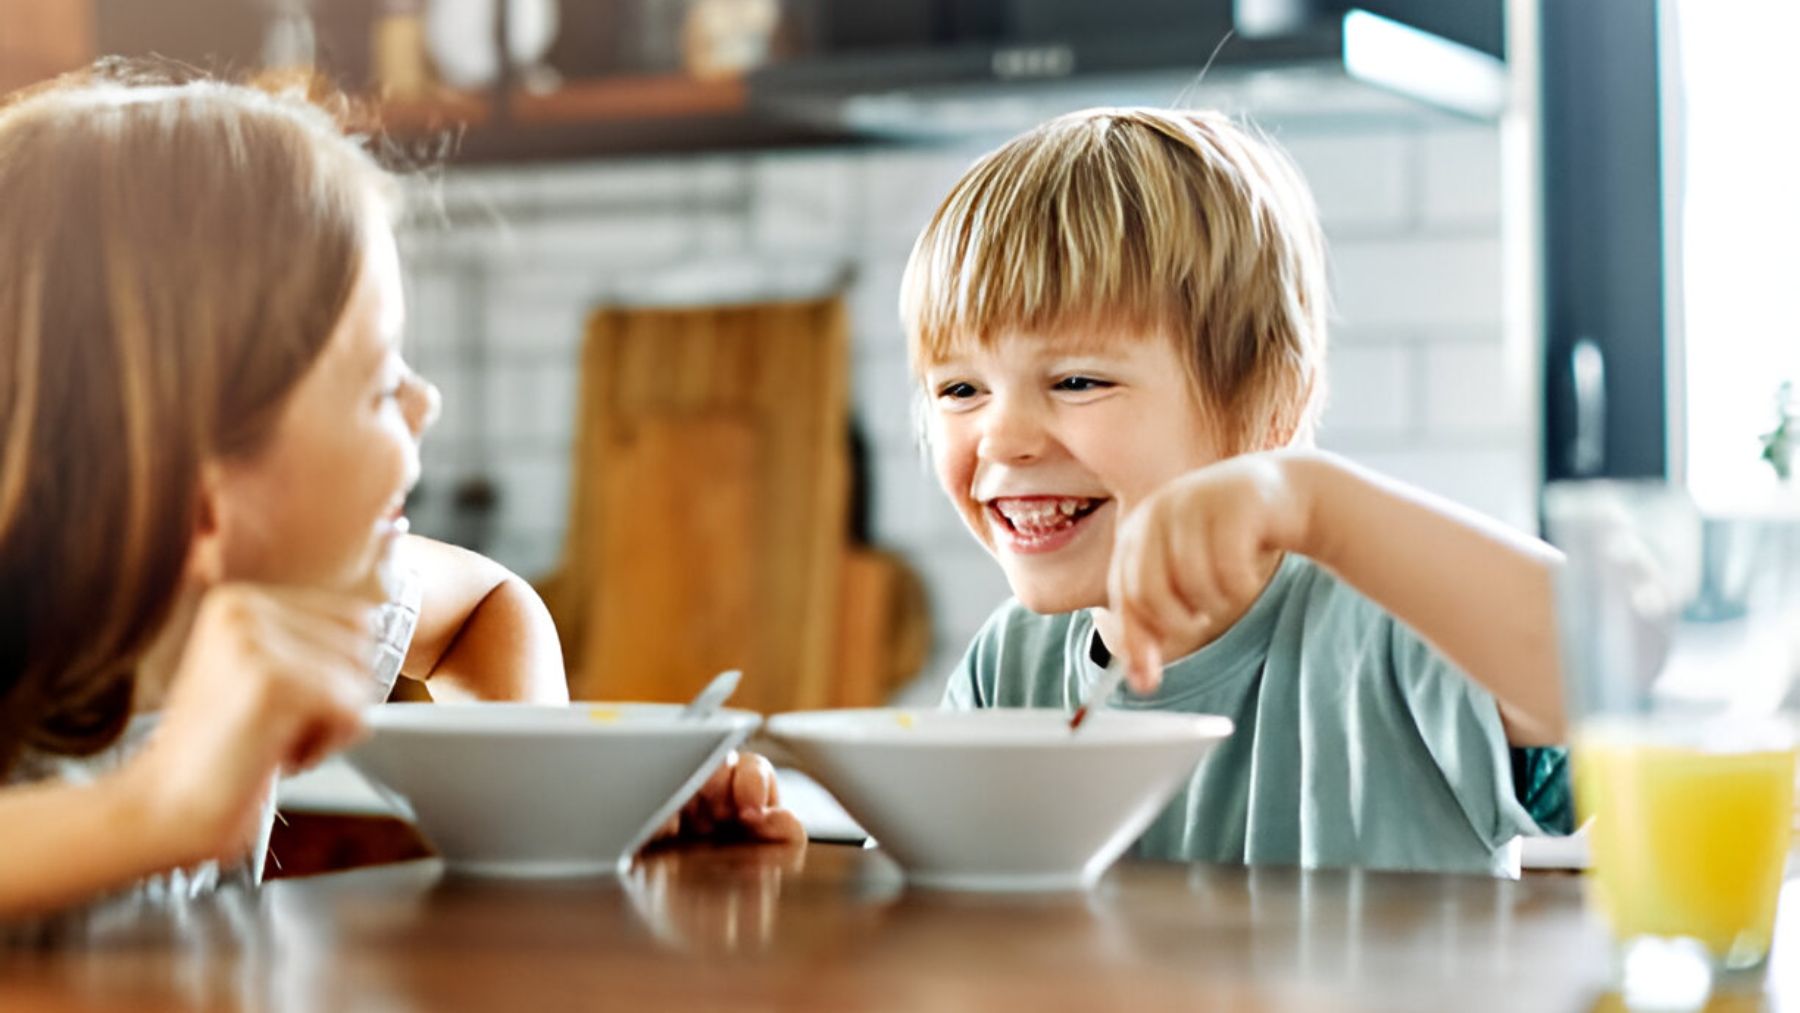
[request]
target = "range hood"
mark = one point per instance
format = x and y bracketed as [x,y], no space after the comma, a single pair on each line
[1276,61]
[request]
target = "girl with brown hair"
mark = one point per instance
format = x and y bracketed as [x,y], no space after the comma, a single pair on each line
[209,432]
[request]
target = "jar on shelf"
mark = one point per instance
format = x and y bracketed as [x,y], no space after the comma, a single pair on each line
[725,38]
[400,67]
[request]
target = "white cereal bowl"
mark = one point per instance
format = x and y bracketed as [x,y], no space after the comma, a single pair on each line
[1001,799]
[510,789]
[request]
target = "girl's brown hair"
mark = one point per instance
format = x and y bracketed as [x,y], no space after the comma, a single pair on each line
[1111,221]
[173,258]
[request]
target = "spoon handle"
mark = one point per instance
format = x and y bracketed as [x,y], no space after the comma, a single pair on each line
[1107,685]
[714,695]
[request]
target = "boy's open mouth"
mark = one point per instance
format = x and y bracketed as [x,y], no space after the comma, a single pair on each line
[1041,523]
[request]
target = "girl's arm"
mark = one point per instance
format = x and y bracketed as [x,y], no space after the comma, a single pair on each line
[67,843]
[269,680]
[483,633]
[1477,590]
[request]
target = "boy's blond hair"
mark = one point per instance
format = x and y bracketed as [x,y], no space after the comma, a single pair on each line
[1139,221]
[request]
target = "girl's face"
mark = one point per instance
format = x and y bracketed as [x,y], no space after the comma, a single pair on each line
[321,505]
[1042,444]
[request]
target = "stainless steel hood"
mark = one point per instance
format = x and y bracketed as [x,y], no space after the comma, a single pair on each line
[1276,61]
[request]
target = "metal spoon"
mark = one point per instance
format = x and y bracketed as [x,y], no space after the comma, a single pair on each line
[1104,688]
[710,699]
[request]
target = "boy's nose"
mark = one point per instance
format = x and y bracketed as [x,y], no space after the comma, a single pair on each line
[1012,431]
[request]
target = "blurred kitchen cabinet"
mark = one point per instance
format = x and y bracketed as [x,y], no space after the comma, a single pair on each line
[884,631]
[584,98]
[43,38]
[208,34]
[708,512]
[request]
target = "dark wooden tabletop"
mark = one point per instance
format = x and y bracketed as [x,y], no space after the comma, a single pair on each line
[831,927]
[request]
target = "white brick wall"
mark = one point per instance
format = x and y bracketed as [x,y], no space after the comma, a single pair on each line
[1417,281]
[805,202]
[1370,391]
[1363,182]
[882,394]
[1470,389]
[1493,476]
[1460,179]
[1421,384]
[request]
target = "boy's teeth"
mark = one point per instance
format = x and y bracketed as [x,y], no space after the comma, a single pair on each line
[1040,513]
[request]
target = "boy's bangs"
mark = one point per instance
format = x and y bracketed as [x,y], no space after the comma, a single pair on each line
[1077,327]
[982,294]
[1041,241]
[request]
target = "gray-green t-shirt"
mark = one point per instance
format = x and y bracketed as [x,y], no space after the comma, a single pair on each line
[1356,743]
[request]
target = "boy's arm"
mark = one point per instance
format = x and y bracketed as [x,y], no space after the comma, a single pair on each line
[1476,590]
[483,633]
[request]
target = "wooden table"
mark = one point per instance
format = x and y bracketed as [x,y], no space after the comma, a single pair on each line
[833,928]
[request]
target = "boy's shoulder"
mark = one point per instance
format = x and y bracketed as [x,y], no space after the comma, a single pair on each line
[1327,621]
[1011,620]
[1315,589]
[1014,635]
[1019,658]
[1302,593]
[1305,611]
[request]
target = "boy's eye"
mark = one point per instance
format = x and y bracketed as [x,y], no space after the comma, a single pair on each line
[958,391]
[1081,384]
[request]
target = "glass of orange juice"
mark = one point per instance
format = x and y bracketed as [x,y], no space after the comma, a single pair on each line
[1680,641]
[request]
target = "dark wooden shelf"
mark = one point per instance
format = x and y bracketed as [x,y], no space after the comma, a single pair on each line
[584,118]
[598,118]
[444,111]
[633,98]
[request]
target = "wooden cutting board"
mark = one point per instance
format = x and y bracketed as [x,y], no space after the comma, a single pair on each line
[707,524]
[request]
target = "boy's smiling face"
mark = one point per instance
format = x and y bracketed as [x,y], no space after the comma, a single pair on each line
[1044,443]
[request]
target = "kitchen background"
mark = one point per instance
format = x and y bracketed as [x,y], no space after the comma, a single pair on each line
[1423,385]
[1509,188]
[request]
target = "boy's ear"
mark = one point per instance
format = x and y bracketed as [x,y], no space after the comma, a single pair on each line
[1291,432]
[206,550]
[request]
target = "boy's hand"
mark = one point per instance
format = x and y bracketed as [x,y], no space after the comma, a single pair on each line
[1190,559]
[740,801]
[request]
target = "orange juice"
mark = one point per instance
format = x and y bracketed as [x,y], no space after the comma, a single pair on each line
[1687,841]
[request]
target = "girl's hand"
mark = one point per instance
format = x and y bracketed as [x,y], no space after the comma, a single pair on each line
[740,801]
[270,681]
[1190,559]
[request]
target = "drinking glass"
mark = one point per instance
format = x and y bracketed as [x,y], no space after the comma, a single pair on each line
[1679,641]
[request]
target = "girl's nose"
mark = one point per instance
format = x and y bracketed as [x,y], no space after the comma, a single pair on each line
[423,404]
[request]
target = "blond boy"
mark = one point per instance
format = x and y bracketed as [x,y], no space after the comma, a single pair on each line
[1118,321]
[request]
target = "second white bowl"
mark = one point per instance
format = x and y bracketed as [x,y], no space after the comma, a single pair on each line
[1001,799]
